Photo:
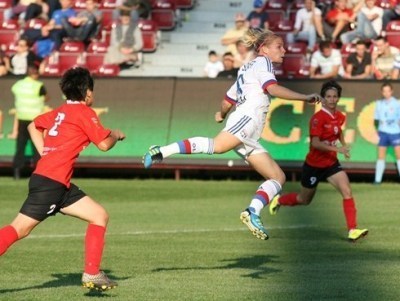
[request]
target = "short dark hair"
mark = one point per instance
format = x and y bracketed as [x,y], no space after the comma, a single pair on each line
[324,45]
[387,84]
[75,83]
[332,84]
[212,52]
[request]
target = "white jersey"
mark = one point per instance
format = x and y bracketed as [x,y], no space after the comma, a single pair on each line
[248,93]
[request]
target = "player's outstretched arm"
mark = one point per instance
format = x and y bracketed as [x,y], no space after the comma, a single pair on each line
[285,93]
[111,140]
[225,108]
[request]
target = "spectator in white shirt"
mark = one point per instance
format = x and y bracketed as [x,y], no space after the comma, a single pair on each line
[326,63]
[213,65]
[308,24]
[369,23]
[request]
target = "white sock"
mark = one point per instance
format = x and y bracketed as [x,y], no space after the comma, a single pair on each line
[264,194]
[195,145]
[379,169]
[398,166]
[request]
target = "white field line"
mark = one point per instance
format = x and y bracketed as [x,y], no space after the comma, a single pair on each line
[177,231]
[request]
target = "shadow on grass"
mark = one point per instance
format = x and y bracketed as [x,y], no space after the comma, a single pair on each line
[256,264]
[63,280]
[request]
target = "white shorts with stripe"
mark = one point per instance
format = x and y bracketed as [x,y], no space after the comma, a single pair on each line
[248,130]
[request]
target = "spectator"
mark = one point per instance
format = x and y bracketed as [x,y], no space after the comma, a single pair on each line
[4,63]
[326,62]
[338,19]
[243,55]
[54,30]
[23,58]
[86,25]
[390,14]
[136,8]
[229,70]
[396,67]
[37,9]
[126,43]
[383,57]
[18,9]
[213,65]
[308,24]
[258,18]
[233,35]
[358,64]
[369,23]
[30,96]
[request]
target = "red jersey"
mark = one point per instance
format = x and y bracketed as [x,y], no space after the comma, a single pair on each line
[328,127]
[70,128]
[332,15]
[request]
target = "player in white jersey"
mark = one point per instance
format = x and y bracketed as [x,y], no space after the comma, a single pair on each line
[387,118]
[250,95]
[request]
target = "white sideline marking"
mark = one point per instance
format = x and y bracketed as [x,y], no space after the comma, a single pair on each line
[34,236]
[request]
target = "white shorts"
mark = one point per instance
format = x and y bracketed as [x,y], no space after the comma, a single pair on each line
[248,130]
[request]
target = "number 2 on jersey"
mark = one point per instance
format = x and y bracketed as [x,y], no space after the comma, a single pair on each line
[59,119]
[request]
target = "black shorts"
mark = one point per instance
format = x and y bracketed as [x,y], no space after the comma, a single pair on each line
[46,197]
[311,176]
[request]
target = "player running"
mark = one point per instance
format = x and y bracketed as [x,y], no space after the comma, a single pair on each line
[59,136]
[322,163]
[250,95]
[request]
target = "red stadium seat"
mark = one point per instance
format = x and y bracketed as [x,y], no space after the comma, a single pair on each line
[68,60]
[298,4]
[108,70]
[184,3]
[5,4]
[385,4]
[8,38]
[51,67]
[149,29]
[97,47]
[296,66]
[346,49]
[108,4]
[79,4]
[9,25]
[163,13]
[274,16]
[35,24]
[72,47]
[94,61]
[393,33]
[283,25]
[107,19]
[276,4]
[296,48]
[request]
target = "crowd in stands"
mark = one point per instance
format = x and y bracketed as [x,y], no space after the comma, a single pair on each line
[58,34]
[350,39]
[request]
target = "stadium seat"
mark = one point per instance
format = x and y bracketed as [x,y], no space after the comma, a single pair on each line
[35,24]
[346,49]
[107,19]
[72,47]
[51,67]
[296,66]
[149,29]
[163,13]
[283,25]
[393,33]
[79,4]
[95,55]
[68,60]
[296,48]
[385,4]
[9,34]
[274,16]
[298,4]
[184,4]
[108,4]
[275,4]
[9,25]
[107,70]
[5,4]
[97,47]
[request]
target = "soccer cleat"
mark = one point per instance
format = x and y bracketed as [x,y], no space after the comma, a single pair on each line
[355,234]
[99,282]
[253,222]
[274,205]
[152,156]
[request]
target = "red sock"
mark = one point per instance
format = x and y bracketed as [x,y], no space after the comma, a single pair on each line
[8,236]
[289,199]
[350,213]
[94,245]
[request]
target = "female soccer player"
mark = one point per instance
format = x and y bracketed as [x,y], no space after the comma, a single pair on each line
[59,136]
[250,95]
[387,117]
[322,163]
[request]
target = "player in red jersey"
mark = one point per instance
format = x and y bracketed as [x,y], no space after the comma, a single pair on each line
[59,136]
[322,163]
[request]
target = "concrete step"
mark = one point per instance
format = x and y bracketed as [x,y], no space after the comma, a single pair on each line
[175,60]
[211,16]
[163,71]
[193,38]
[209,27]
[224,5]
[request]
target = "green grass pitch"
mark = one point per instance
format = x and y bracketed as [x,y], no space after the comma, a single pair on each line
[183,240]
